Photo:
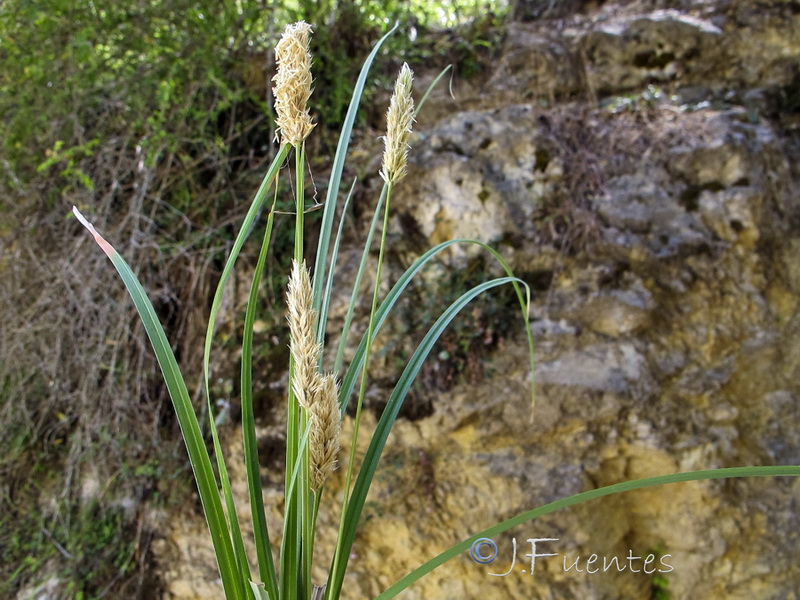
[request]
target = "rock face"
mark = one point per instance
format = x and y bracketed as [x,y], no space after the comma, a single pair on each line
[659,228]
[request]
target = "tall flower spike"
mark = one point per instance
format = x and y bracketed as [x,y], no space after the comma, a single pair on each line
[302,340]
[293,83]
[326,427]
[399,119]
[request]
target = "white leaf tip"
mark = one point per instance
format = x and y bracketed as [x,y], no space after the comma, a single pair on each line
[81,218]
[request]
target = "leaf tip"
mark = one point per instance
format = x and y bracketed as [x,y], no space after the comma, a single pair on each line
[81,218]
[104,245]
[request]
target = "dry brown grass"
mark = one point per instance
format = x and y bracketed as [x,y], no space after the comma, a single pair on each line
[80,392]
[593,146]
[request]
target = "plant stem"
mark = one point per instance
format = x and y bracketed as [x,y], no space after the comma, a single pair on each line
[266,566]
[293,561]
[370,330]
[300,155]
[362,387]
[305,506]
[357,285]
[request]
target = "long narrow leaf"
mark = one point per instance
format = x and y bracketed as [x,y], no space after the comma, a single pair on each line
[291,531]
[236,532]
[266,566]
[255,207]
[349,380]
[323,247]
[617,488]
[362,267]
[430,89]
[190,428]
[364,256]
[326,297]
[381,434]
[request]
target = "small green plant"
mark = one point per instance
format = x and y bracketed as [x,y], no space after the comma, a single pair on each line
[644,100]
[659,587]
[315,402]
[70,156]
[84,538]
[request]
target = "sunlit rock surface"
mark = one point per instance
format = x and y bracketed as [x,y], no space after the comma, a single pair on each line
[659,229]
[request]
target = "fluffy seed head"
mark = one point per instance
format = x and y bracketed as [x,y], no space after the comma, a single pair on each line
[302,334]
[326,425]
[293,83]
[399,119]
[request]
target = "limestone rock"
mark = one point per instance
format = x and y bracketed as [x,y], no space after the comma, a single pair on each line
[667,336]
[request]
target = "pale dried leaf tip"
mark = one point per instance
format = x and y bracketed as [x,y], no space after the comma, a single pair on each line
[326,425]
[293,83]
[99,239]
[399,119]
[302,334]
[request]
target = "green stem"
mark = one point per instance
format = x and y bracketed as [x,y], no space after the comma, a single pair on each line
[373,309]
[303,492]
[363,385]
[300,155]
[316,497]
[293,563]
[348,319]
[266,566]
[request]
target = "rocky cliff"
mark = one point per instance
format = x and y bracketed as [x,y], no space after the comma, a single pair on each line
[637,164]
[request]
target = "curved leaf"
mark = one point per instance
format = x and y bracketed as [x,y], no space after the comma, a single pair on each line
[379,437]
[190,428]
[349,380]
[618,488]
[266,566]
[333,189]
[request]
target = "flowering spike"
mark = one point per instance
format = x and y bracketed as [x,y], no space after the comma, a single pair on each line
[399,119]
[293,83]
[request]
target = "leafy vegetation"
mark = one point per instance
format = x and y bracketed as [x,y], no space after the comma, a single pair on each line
[157,118]
[315,402]
[95,546]
[659,588]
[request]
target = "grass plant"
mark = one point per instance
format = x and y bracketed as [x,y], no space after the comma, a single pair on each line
[316,399]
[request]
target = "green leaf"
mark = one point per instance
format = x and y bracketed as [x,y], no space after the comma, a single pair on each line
[266,566]
[381,434]
[333,190]
[349,380]
[258,591]
[362,267]
[618,488]
[326,298]
[258,201]
[430,89]
[190,428]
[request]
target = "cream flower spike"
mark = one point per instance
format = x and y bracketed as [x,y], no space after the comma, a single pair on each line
[303,345]
[293,84]
[399,119]
[326,427]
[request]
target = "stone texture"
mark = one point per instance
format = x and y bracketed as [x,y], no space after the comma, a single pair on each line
[667,332]
[702,51]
